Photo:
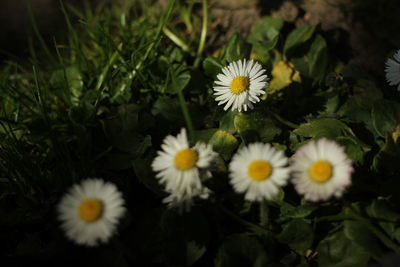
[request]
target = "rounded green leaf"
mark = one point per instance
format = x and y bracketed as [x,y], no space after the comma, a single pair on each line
[178,78]
[265,33]
[255,127]
[298,235]
[385,116]
[237,48]
[240,250]
[318,58]
[338,251]
[224,143]
[298,36]
[327,127]
[212,66]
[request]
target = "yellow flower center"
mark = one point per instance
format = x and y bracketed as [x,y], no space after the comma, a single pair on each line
[90,210]
[239,85]
[186,159]
[321,171]
[259,170]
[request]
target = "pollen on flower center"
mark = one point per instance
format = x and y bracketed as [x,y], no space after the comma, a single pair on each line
[186,159]
[239,85]
[321,171]
[259,170]
[90,210]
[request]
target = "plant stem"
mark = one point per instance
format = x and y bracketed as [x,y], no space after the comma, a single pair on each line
[186,114]
[264,210]
[244,222]
[284,121]
[175,39]
[203,34]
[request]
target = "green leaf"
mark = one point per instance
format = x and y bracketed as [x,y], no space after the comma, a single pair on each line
[224,143]
[203,135]
[255,127]
[318,58]
[144,173]
[194,252]
[362,236]
[265,33]
[298,36]
[388,156]
[227,121]
[298,234]
[240,250]
[237,48]
[359,104]
[338,251]
[360,233]
[385,116]
[327,127]
[178,78]
[82,113]
[69,78]
[212,66]
[168,108]
[382,210]
[353,149]
[122,131]
[120,160]
[296,212]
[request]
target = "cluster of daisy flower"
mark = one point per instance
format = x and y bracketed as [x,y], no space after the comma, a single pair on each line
[319,170]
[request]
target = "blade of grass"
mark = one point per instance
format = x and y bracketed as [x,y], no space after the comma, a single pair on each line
[203,35]
[37,33]
[176,39]
[186,114]
[157,39]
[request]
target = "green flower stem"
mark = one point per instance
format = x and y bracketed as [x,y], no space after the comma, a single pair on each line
[284,121]
[186,114]
[385,240]
[378,233]
[175,39]
[247,224]
[264,210]
[203,35]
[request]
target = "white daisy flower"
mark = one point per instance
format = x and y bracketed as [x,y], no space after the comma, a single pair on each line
[183,201]
[393,70]
[321,169]
[90,211]
[240,85]
[258,170]
[182,168]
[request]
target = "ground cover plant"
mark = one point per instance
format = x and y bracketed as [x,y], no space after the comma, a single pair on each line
[136,141]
